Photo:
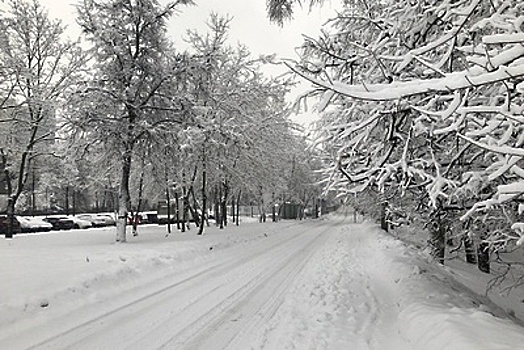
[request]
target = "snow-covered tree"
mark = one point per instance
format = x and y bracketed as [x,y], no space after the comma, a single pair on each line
[242,126]
[130,93]
[39,67]
[422,97]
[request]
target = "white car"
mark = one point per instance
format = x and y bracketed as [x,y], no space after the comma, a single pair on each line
[80,223]
[94,219]
[33,224]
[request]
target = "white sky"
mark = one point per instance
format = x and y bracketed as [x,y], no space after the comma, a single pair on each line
[250,26]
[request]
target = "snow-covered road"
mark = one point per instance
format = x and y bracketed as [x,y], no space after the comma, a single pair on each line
[312,285]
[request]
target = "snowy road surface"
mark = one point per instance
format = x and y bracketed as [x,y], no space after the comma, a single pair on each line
[315,285]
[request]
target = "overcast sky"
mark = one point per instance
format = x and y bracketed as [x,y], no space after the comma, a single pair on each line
[249,26]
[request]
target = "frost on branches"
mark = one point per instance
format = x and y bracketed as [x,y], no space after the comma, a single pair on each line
[422,103]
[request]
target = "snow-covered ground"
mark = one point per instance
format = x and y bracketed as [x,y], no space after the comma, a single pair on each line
[324,284]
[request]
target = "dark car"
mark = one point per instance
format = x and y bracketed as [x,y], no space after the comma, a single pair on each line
[3,225]
[60,222]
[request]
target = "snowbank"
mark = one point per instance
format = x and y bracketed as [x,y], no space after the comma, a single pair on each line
[367,290]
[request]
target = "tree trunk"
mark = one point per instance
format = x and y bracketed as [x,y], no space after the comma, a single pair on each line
[10,218]
[224,204]
[195,208]
[123,198]
[134,219]
[184,210]
[12,196]
[383,216]
[469,246]
[168,200]
[192,209]
[67,200]
[204,197]
[221,206]
[33,194]
[273,213]
[438,240]
[217,206]
[483,257]
[238,208]
[177,201]
[233,209]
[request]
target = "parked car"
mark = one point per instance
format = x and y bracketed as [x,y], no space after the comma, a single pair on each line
[33,224]
[25,224]
[39,225]
[3,225]
[94,219]
[80,223]
[60,222]
[108,219]
[98,220]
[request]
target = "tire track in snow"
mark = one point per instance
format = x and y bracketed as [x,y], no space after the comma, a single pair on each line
[233,327]
[117,321]
[177,279]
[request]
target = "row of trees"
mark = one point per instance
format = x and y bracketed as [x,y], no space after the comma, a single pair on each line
[123,112]
[423,110]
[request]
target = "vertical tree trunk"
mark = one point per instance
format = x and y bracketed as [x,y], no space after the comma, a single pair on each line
[123,198]
[135,218]
[225,195]
[192,209]
[238,208]
[217,206]
[204,197]
[67,200]
[483,256]
[183,213]
[168,200]
[469,246]
[10,217]
[233,209]
[196,211]
[222,206]
[261,206]
[177,201]
[383,216]
[33,194]
[273,213]
[438,239]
